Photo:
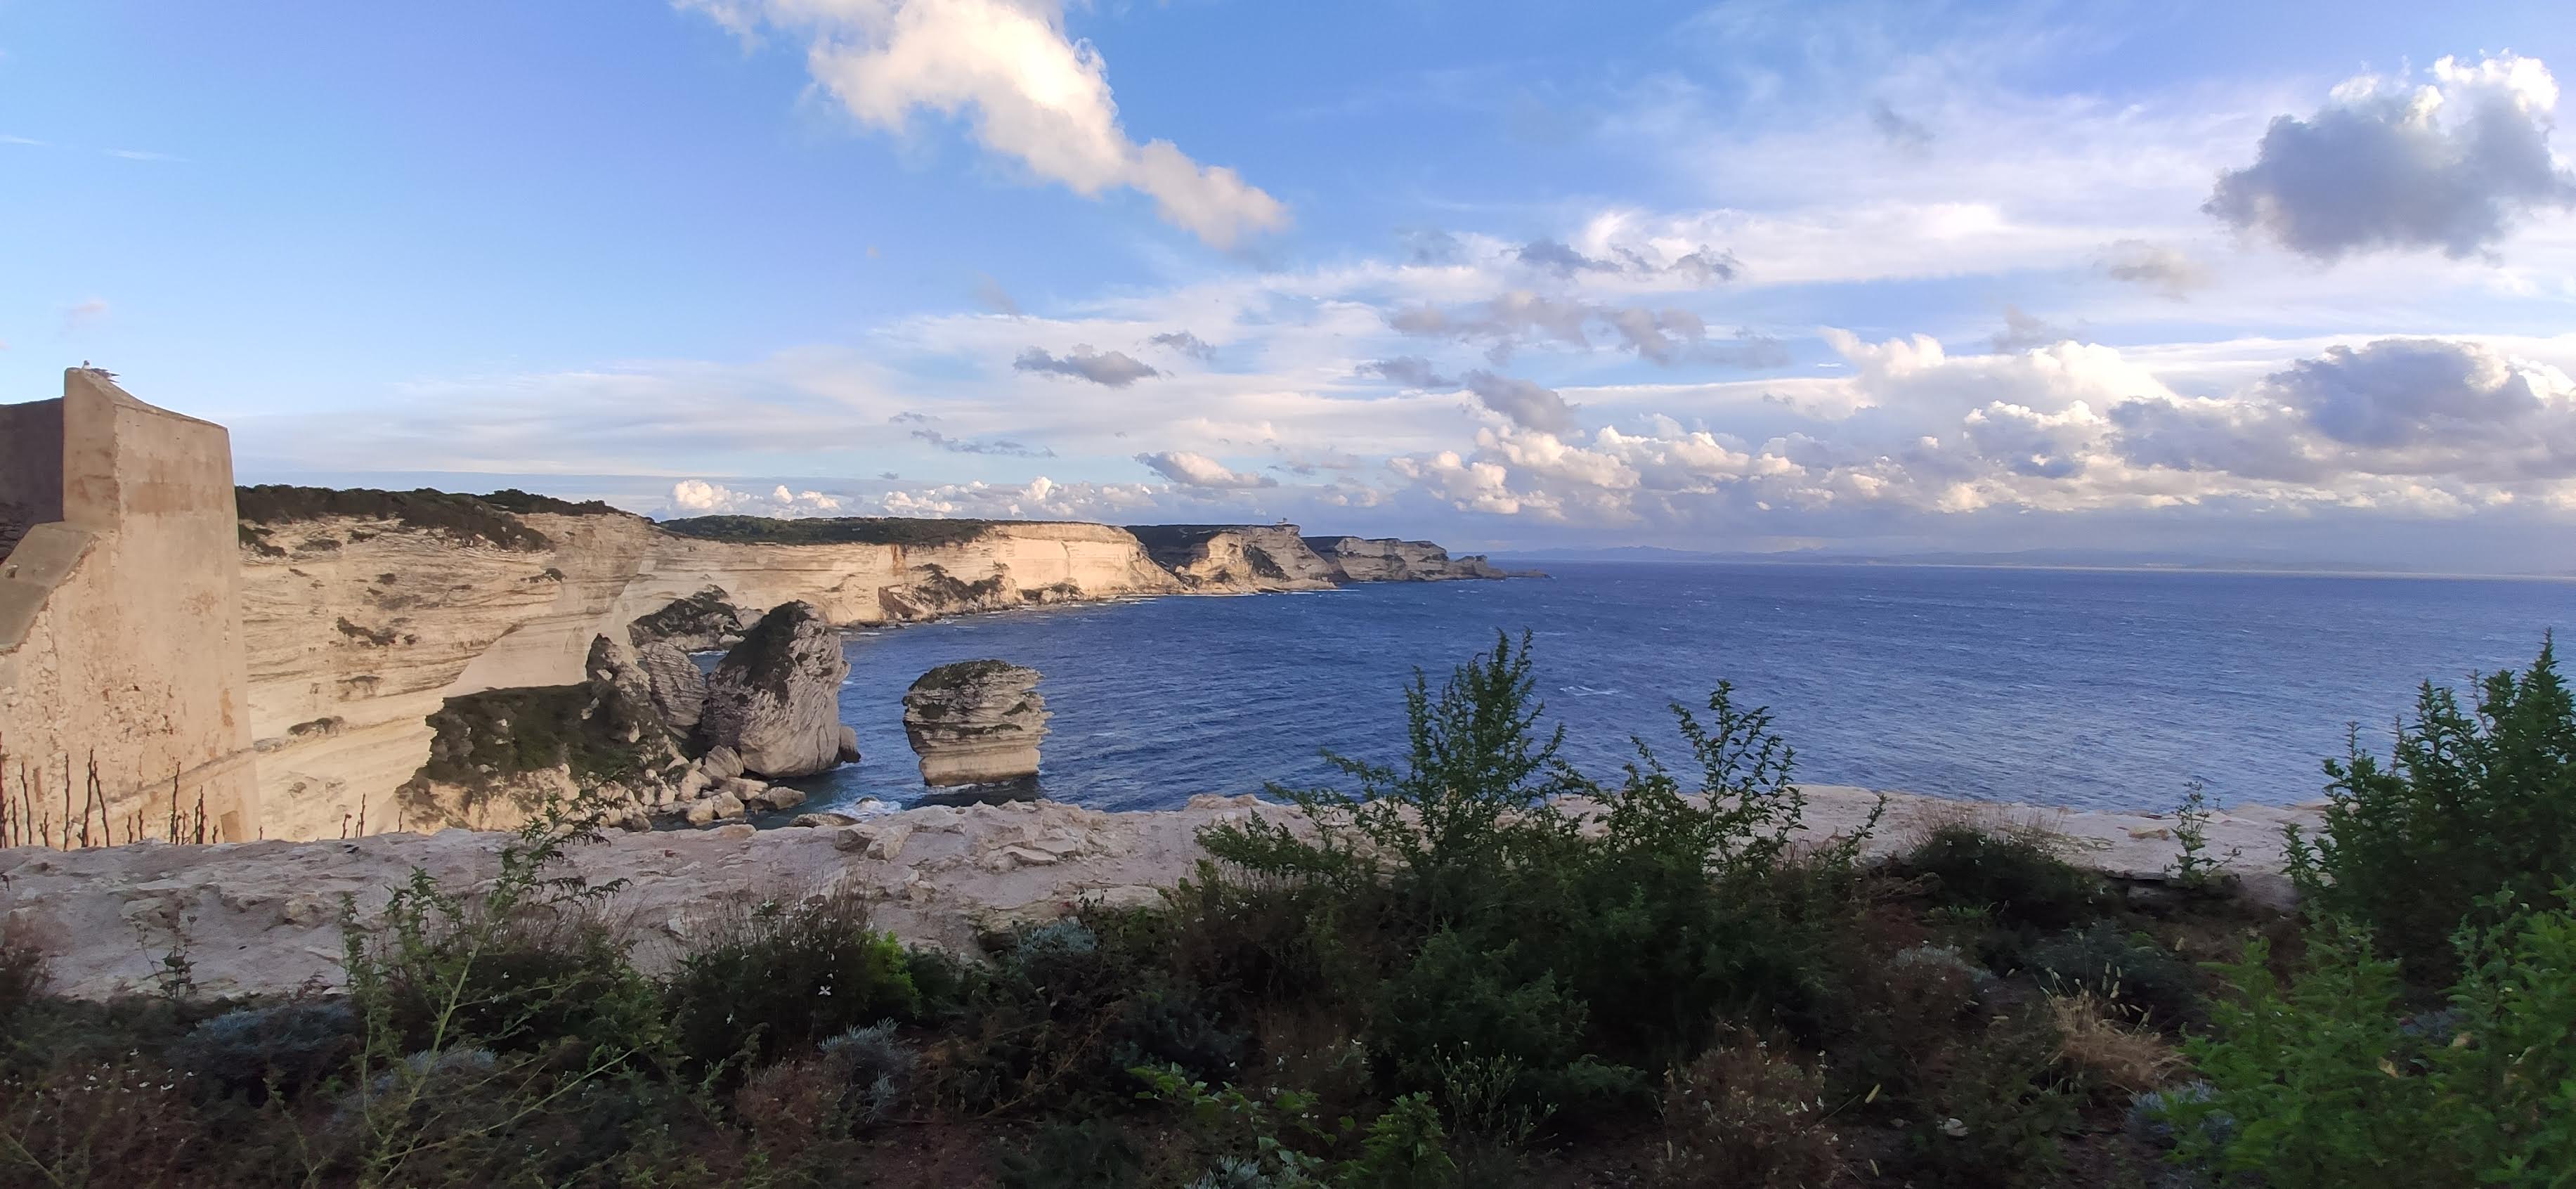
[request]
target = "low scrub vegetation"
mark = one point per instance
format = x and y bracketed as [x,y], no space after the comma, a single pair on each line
[1470,967]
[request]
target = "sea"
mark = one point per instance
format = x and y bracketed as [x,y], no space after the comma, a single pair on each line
[2109,689]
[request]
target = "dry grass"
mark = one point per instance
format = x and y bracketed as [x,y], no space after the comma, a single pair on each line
[1747,1116]
[2040,828]
[2108,1051]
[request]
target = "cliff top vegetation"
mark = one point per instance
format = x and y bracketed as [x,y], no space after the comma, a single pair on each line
[489,519]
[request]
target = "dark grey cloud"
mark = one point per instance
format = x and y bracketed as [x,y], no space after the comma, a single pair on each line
[2154,266]
[1116,369]
[1663,336]
[1701,266]
[1529,405]
[1708,266]
[911,417]
[2432,408]
[2025,442]
[1509,320]
[1667,336]
[2023,331]
[1897,128]
[1412,371]
[1433,248]
[2252,441]
[1184,343]
[2388,166]
[1747,350]
[999,446]
[2397,393]
[990,295]
[1548,255]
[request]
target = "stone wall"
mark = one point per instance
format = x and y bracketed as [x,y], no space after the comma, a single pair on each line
[120,617]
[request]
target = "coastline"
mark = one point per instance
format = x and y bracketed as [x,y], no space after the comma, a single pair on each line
[262,918]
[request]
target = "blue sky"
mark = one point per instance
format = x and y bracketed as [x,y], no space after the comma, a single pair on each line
[2253,280]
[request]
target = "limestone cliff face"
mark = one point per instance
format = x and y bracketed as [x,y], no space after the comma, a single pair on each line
[1226,558]
[362,617]
[1386,559]
[364,612]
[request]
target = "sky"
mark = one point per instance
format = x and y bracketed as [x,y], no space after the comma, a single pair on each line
[2281,281]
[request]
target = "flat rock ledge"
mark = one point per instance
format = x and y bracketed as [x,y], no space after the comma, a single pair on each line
[260,918]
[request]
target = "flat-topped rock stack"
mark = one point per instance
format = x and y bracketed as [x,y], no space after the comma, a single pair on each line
[975,722]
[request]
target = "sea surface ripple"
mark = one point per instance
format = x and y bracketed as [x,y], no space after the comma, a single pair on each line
[2093,689]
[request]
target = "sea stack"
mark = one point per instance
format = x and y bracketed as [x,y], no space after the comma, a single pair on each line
[775,699]
[975,722]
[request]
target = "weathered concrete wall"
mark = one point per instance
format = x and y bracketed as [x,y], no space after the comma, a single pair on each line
[120,620]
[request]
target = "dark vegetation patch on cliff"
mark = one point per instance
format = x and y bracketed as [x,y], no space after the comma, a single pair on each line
[511,499]
[765,660]
[508,732]
[836,530]
[1263,565]
[462,518]
[695,622]
[1178,536]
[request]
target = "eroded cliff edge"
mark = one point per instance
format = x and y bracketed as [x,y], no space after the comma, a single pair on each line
[366,611]
[264,917]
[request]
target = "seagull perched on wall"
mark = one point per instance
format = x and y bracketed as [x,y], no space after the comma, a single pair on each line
[102,372]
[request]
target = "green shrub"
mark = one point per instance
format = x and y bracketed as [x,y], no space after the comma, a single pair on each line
[2128,969]
[475,1041]
[775,976]
[1992,1113]
[1458,906]
[2324,1082]
[2015,875]
[1088,1154]
[253,1052]
[2470,803]
[1067,1008]
[22,972]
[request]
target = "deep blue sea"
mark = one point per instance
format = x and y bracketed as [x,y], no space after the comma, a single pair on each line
[2084,688]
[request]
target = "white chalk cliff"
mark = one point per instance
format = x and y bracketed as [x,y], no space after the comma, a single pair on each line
[363,612]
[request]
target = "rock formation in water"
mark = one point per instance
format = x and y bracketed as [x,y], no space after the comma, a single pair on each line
[776,698]
[975,722]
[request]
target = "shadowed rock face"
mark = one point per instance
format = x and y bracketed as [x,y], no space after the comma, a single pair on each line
[775,699]
[699,623]
[975,722]
[679,690]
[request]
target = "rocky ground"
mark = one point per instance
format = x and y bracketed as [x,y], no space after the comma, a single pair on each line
[263,917]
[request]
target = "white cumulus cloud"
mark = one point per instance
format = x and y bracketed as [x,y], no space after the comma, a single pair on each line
[698,497]
[1030,91]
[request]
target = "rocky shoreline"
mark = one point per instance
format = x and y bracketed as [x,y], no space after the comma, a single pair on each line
[262,918]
